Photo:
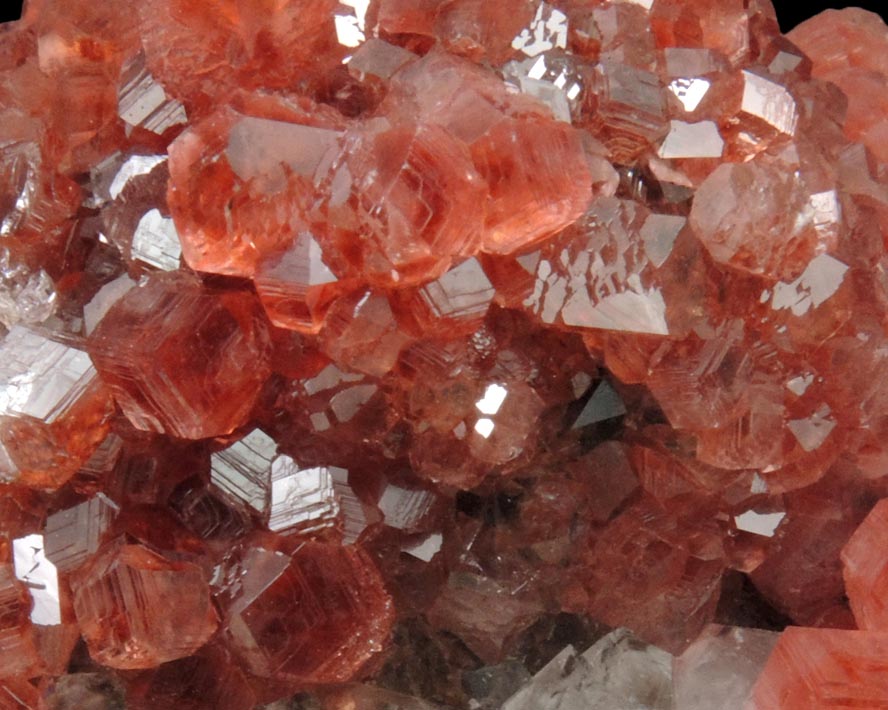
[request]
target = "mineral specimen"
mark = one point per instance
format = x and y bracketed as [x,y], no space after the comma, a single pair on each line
[443,355]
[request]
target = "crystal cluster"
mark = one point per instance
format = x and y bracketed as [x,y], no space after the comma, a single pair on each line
[443,354]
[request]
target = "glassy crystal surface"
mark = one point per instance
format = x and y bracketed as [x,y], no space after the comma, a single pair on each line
[161,606]
[374,353]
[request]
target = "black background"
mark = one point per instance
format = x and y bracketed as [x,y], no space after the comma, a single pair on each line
[790,12]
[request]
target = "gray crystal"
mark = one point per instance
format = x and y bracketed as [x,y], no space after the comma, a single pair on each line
[604,404]
[404,508]
[719,669]
[86,691]
[617,672]
[41,577]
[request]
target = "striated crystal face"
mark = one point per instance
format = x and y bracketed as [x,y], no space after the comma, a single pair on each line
[194,370]
[340,613]
[53,410]
[161,607]
[823,668]
[443,355]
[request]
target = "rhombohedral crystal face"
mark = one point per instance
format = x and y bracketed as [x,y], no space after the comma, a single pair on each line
[443,355]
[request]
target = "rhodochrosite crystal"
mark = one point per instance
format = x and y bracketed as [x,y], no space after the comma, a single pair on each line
[443,355]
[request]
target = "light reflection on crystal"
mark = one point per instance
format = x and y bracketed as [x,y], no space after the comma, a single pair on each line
[354,518]
[692,140]
[548,30]
[763,524]
[301,496]
[40,378]
[143,102]
[463,292]
[484,427]
[799,385]
[690,92]
[243,470]
[350,28]
[156,241]
[41,577]
[494,396]
[812,431]
[402,508]
[552,80]
[426,548]
[134,166]
[106,297]
[820,280]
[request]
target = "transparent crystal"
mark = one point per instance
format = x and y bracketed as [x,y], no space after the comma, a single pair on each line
[26,296]
[41,577]
[618,671]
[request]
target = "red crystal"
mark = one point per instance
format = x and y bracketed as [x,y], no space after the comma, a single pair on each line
[391,352]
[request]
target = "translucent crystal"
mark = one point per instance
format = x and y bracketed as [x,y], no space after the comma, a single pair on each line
[143,103]
[339,614]
[41,577]
[243,470]
[617,672]
[301,496]
[552,79]
[404,509]
[162,607]
[73,535]
[156,242]
[822,668]
[40,378]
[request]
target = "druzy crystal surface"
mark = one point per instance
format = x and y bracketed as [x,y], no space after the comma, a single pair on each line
[443,355]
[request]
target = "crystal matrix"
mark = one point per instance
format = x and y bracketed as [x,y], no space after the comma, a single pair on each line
[442,355]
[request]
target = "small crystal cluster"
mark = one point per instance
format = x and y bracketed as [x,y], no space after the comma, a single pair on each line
[425,354]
